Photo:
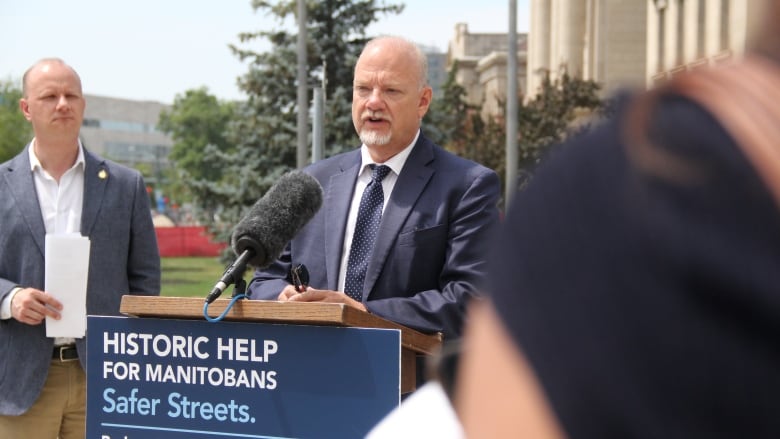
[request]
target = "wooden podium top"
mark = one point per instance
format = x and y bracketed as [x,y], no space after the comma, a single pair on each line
[296,313]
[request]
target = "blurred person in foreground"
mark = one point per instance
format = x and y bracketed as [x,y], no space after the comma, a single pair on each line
[635,289]
[56,186]
[428,257]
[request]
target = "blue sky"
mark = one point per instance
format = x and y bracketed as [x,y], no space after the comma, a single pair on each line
[155,49]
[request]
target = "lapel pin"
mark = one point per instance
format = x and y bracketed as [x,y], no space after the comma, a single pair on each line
[102,174]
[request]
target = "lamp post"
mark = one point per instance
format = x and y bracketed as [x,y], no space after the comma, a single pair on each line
[303,98]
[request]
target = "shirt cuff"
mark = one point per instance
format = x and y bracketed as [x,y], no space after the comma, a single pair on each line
[5,306]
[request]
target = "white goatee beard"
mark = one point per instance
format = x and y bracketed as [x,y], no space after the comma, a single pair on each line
[370,137]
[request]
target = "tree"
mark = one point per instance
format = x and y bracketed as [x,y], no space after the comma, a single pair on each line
[15,130]
[542,121]
[550,116]
[447,117]
[264,127]
[464,132]
[197,123]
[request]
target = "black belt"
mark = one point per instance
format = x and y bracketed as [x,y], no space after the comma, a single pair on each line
[66,352]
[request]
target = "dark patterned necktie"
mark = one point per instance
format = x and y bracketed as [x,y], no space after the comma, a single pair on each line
[366,228]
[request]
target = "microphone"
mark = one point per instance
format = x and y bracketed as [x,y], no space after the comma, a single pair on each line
[273,221]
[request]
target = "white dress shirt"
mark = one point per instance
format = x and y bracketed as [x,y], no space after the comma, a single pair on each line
[60,205]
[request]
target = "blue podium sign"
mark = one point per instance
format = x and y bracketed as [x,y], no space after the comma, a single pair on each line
[158,378]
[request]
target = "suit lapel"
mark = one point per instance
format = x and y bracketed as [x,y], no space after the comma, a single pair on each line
[338,199]
[22,185]
[96,177]
[410,184]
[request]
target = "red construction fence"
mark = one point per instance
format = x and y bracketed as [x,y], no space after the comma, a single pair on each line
[186,241]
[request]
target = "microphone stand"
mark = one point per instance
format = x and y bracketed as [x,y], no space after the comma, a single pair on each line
[234,274]
[240,288]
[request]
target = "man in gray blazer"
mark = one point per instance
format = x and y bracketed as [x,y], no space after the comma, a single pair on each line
[55,186]
[428,257]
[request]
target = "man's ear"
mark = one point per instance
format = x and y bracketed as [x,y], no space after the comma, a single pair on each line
[425,101]
[25,107]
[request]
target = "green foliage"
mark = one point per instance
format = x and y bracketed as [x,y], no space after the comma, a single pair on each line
[197,119]
[15,130]
[264,130]
[463,130]
[228,155]
[447,117]
[197,123]
[546,119]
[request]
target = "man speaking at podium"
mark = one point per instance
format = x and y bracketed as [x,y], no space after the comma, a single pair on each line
[404,224]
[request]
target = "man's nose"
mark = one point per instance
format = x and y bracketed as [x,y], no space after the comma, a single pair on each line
[375,100]
[63,102]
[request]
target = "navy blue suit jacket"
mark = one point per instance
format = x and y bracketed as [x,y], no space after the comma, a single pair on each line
[429,257]
[124,259]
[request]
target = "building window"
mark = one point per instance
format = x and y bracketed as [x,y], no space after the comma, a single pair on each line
[134,153]
[92,123]
[118,125]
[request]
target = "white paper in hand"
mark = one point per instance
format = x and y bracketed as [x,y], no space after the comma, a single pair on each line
[67,267]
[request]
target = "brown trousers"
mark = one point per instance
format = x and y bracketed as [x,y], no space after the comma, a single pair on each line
[59,412]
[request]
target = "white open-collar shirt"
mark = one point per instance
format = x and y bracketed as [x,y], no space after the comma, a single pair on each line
[60,203]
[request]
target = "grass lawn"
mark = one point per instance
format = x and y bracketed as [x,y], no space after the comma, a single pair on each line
[190,277]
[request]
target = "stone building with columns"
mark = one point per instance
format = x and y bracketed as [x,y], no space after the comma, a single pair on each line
[599,40]
[482,66]
[686,34]
[634,43]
